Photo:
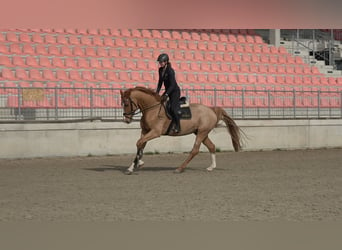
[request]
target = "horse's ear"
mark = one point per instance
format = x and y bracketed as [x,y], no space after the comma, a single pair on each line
[121,92]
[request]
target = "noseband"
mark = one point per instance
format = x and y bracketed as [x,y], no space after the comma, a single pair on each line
[133,111]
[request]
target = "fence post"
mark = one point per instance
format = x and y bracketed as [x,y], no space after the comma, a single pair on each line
[19,103]
[341,102]
[294,103]
[269,103]
[243,102]
[91,102]
[56,104]
[319,103]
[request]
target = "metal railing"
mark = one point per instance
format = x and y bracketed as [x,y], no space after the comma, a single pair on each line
[48,104]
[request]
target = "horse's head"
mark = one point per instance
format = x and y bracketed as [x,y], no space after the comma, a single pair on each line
[129,105]
[137,98]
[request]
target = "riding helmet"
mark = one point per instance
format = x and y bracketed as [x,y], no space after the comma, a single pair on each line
[163,58]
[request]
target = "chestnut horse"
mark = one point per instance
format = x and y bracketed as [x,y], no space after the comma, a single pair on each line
[155,122]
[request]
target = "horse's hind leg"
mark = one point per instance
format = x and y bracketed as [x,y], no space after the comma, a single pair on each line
[194,151]
[211,147]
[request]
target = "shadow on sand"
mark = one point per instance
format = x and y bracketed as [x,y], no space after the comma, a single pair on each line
[104,168]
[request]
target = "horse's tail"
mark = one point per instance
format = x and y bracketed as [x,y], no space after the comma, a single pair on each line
[233,129]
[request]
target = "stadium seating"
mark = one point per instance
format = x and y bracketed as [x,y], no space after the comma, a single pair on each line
[87,57]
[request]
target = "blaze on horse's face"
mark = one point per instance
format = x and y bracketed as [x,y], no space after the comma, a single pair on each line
[127,107]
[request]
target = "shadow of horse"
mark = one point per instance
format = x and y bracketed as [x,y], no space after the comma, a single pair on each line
[104,168]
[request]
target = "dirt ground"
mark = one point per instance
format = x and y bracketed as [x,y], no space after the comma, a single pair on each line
[303,185]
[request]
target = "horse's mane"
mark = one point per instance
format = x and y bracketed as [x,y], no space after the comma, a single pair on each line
[145,90]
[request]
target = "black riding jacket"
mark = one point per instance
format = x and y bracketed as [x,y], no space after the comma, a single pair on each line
[169,80]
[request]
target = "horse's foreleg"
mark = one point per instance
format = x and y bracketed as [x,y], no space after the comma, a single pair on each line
[193,153]
[141,143]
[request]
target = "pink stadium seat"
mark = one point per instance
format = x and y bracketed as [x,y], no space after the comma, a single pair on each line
[264,58]
[118,64]
[86,75]
[228,57]
[282,50]
[99,76]
[21,74]
[258,39]
[75,75]
[82,63]
[194,67]
[186,35]
[215,67]
[125,53]
[108,41]
[61,75]
[57,62]
[271,69]
[166,34]
[136,53]
[237,57]
[15,48]
[62,39]
[95,63]
[147,76]
[90,51]
[191,77]
[17,61]
[74,40]
[156,34]
[102,52]
[112,76]
[135,76]
[136,33]
[270,79]
[66,51]
[71,102]
[198,56]
[12,37]
[48,75]
[107,63]
[35,74]
[290,59]
[299,60]
[176,35]
[111,102]
[115,32]
[225,67]
[125,32]
[232,38]
[5,61]
[146,33]
[103,32]
[70,62]
[244,68]
[37,38]
[123,76]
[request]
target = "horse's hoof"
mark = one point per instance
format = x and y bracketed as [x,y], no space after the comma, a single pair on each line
[127,172]
[178,171]
[210,169]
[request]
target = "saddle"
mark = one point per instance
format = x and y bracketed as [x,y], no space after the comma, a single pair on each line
[184,112]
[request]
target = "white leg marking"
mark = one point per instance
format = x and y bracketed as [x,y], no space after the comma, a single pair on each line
[141,163]
[131,168]
[213,162]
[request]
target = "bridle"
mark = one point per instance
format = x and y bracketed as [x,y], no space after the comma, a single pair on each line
[136,107]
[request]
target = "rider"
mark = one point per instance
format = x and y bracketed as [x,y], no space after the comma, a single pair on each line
[167,76]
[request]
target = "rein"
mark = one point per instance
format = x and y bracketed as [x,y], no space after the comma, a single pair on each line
[135,112]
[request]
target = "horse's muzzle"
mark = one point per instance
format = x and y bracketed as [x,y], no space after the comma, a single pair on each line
[127,119]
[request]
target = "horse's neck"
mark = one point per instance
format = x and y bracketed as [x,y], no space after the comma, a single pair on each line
[144,100]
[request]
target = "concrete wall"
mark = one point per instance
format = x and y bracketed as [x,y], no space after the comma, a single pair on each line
[102,138]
